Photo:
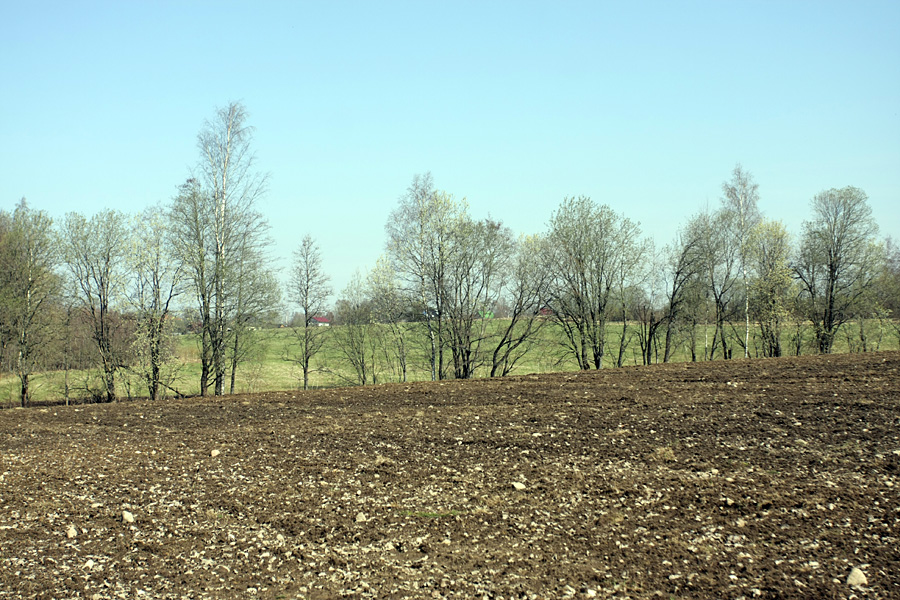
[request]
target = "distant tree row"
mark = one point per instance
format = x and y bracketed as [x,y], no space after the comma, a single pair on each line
[592,273]
[108,291]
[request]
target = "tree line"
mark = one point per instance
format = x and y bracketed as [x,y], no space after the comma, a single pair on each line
[103,291]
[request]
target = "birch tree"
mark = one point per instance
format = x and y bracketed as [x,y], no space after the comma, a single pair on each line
[741,205]
[214,212]
[227,168]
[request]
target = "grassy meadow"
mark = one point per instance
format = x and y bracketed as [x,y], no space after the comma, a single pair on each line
[267,367]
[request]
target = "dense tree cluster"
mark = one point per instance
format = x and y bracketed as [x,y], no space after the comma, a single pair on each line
[452,295]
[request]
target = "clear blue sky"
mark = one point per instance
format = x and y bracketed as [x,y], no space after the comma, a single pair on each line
[645,106]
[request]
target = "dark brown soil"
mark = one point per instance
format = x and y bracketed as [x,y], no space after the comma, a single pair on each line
[753,479]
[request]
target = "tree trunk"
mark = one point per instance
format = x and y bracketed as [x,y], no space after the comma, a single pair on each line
[110,378]
[26,397]
[205,358]
[234,360]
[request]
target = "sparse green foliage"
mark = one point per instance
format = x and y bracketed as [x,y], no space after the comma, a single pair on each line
[420,244]
[221,238]
[588,247]
[95,253]
[838,260]
[157,280]
[740,205]
[454,296]
[391,309]
[769,251]
[28,287]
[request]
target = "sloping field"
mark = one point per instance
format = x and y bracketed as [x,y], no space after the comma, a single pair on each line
[754,479]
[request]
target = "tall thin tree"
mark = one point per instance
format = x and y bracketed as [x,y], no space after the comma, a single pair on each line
[216,210]
[309,291]
[741,205]
[156,279]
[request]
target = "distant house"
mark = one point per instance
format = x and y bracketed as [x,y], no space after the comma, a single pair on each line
[320,322]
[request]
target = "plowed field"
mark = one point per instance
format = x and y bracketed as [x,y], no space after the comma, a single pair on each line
[754,479]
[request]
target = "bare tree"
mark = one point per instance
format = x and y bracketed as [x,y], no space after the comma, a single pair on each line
[156,274]
[309,290]
[69,341]
[419,243]
[28,286]
[888,287]
[684,264]
[353,333]
[629,275]
[837,261]
[718,264]
[257,300]
[661,309]
[391,310]
[741,206]
[6,278]
[253,291]
[586,251]
[525,294]
[474,276]
[191,237]
[648,308]
[95,253]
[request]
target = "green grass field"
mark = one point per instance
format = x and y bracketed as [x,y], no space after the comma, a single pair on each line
[266,368]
